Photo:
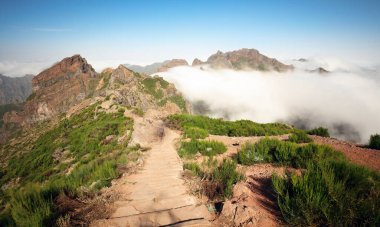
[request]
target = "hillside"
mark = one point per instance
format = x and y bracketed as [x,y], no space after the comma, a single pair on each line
[15,90]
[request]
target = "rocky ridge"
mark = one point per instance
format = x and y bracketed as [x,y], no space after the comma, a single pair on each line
[245,59]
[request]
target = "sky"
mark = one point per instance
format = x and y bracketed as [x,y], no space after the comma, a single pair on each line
[36,34]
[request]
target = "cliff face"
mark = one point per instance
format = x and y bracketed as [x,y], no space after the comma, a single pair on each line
[246,59]
[15,89]
[56,89]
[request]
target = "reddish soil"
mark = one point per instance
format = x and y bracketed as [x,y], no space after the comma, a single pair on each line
[357,154]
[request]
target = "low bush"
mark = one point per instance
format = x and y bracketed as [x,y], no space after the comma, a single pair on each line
[330,193]
[227,176]
[195,133]
[299,136]
[204,147]
[284,153]
[324,132]
[218,179]
[374,142]
[229,128]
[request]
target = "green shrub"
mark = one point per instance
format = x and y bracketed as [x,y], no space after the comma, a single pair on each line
[195,133]
[229,128]
[324,132]
[193,167]
[284,153]
[227,176]
[218,179]
[31,206]
[208,148]
[299,136]
[330,193]
[374,142]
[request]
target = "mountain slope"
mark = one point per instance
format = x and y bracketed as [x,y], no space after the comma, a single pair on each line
[15,89]
[56,89]
[245,59]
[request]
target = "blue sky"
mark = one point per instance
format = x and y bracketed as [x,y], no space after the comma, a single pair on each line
[36,33]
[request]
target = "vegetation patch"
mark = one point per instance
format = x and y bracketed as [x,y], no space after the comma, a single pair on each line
[330,191]
[374,142]
[79,156]
[299,136]
[320,131]
[229,128]
[217,179]
[195,133]
[204,147]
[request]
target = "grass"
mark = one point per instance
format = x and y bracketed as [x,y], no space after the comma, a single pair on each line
[284,153]
[155,86]
[218,179]
[299,136]
[195,133]
[330,191]
[320,131]
[229,128]
[150,85]
[80,139]
[204,147]
[374,142]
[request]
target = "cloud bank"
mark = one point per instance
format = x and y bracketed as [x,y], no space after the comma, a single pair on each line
[345,102]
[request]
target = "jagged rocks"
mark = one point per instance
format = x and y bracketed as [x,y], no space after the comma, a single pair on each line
[56,89]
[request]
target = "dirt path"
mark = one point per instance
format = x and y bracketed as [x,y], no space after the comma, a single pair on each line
[156,195]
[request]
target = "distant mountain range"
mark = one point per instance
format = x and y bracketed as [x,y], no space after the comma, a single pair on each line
[243,59]
[15,89]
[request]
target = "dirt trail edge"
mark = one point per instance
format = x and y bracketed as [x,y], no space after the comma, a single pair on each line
[156,194]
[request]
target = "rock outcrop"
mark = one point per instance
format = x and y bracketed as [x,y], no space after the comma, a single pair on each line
[171,64]
[197,62]
[15,89]
[55,90]
[246,59]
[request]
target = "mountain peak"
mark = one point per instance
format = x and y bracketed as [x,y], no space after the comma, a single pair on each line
[244,59]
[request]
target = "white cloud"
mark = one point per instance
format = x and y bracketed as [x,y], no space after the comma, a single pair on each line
[346,103]
[14,68]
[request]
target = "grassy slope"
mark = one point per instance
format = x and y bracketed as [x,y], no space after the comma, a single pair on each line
[79,143]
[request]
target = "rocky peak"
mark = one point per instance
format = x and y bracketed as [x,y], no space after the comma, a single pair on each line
[63,70]
[197,62]
[56,89]
[246,59]
[171,64]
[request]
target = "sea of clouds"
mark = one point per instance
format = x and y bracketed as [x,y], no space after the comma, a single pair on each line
[346,100]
